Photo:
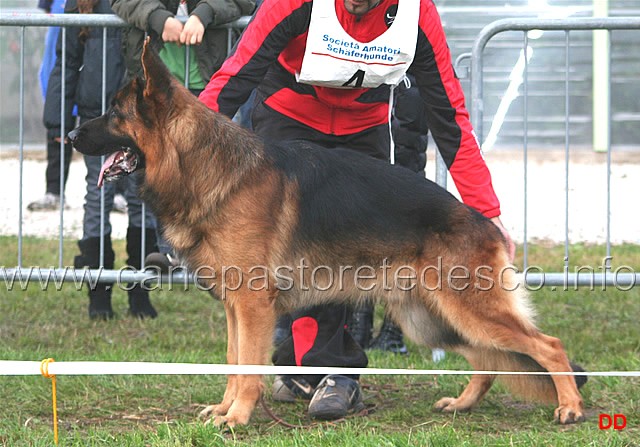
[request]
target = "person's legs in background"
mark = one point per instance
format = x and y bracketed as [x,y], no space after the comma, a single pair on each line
[54,172]
[51,199]
[93,252]
[410,135]
[410,142]
[140,216]
[360,325]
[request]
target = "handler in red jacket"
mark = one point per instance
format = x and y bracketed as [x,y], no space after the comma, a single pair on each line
[324,71]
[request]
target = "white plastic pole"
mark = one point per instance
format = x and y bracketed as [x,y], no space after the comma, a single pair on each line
[601,81]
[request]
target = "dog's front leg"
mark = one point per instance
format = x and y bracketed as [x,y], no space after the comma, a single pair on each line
[222,408]
[254,319]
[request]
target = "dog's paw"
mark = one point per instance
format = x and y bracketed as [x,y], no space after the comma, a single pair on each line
[218,421]
[223,416]
[565,414]
[446,404]
[214,410]
[227,421]
[450,404]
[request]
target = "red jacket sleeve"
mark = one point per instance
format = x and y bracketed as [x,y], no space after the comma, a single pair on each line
[447,116]
[275,24]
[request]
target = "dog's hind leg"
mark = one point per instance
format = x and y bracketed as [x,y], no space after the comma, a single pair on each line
[255,320]
[522,351]
[474,391]
[232,359]
[423,327]
[549,353]
[499,326]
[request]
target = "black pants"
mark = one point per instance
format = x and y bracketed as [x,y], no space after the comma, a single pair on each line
[409,127]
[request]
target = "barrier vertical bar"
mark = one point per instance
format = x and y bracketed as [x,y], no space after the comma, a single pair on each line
[63,126]
[21,145]
[566,147]
[609,149]
[103,101]
[525,145]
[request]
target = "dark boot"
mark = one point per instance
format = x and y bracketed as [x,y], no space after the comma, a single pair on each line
[360,324]
[390,338]
[100,294]
[139,303]
[100,303]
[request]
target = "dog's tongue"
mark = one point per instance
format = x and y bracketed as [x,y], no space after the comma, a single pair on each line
[107,164]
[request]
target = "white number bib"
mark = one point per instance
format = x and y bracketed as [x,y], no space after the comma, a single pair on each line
[333,58]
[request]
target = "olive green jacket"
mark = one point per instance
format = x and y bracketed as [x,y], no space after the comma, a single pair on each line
[148,16]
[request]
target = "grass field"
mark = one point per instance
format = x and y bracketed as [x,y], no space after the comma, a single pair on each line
[600,330]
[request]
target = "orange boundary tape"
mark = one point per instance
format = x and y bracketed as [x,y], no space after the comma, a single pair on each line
[44,370]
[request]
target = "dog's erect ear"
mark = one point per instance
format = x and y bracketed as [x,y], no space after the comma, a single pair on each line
[156,74]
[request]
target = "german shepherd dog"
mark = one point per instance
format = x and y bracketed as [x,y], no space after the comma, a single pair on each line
[225,198]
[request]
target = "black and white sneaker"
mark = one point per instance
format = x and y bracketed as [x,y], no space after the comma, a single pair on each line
[336,396]
[290,388]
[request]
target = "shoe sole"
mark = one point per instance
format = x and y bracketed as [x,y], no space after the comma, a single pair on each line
[331,416]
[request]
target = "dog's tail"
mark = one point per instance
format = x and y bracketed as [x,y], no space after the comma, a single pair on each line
[538,388]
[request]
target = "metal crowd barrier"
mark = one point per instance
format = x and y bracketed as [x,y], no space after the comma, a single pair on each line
[527,25]
[104,21]
[622,279]
[477,110]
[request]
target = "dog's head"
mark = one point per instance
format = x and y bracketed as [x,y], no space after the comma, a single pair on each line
[136,111]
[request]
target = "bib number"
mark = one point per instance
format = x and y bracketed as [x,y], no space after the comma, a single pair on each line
[357,80]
